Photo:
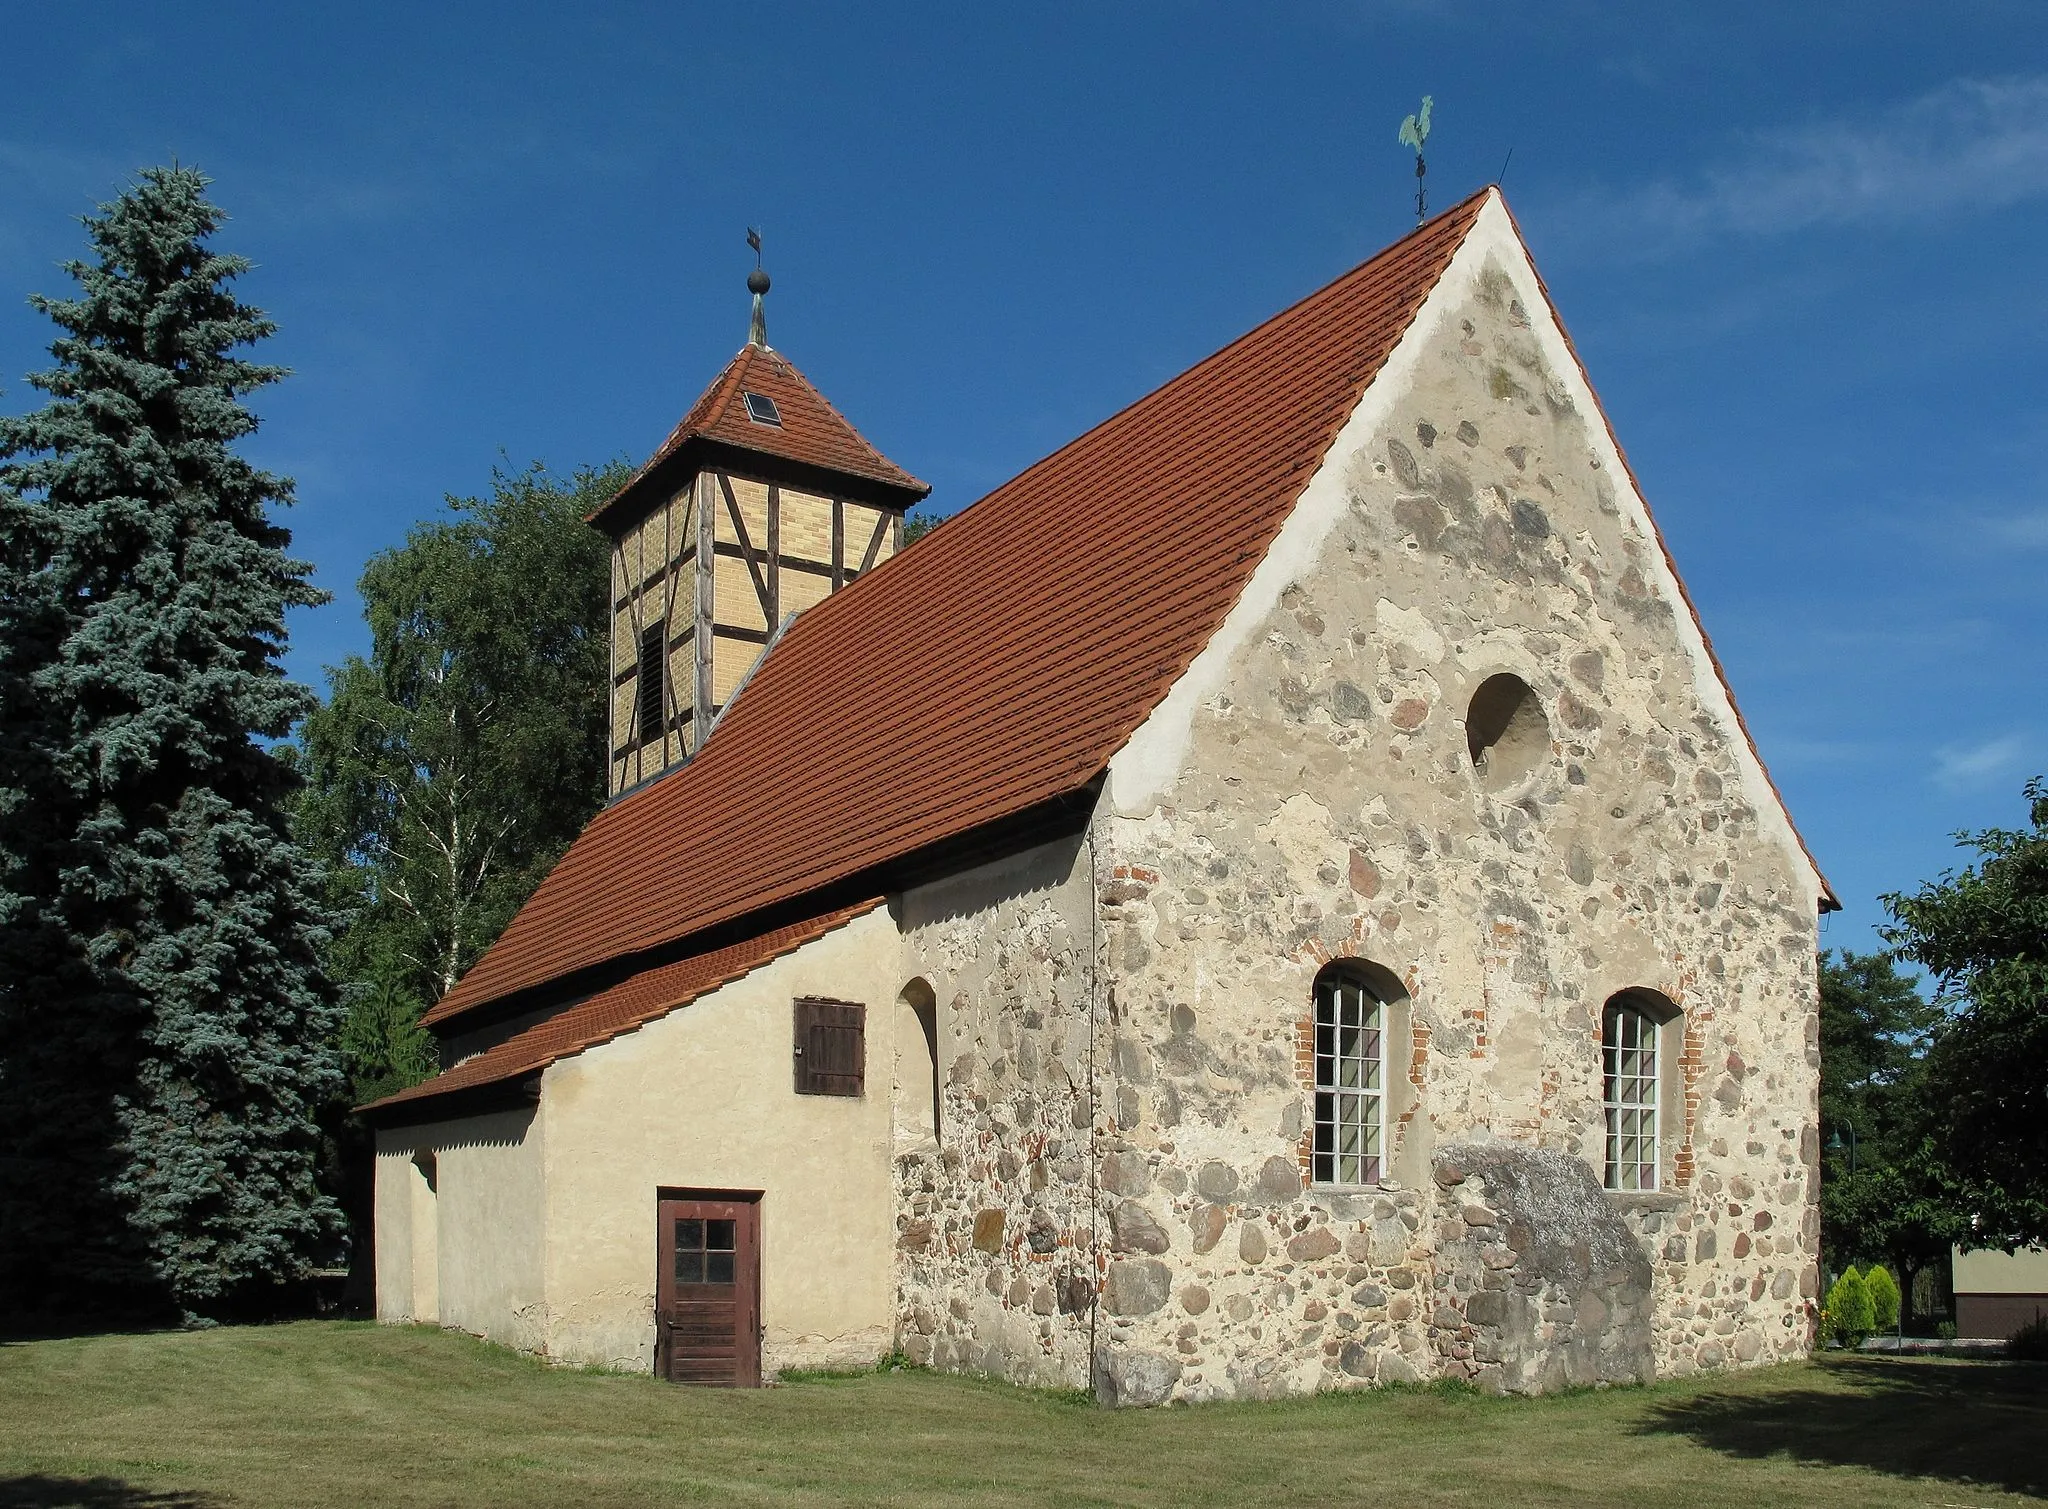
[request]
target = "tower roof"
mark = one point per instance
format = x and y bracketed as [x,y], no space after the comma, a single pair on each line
[811,436]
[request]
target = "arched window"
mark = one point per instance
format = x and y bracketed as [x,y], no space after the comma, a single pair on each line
[1630,1091]
[1350,1104]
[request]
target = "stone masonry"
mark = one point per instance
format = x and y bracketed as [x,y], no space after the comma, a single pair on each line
[1121,1194]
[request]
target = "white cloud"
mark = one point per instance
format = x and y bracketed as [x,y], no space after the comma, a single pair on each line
[1970,145]
[1959,765]
[2024,531]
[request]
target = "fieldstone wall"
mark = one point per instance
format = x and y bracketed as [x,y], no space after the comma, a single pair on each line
[996,1242]
[1327,807]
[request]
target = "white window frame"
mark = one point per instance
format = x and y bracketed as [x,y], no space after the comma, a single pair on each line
[1349,1146]
[1631,1098]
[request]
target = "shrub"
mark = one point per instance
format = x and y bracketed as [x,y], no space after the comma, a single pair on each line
[1945,1330]
[2030,1342]
[1884,1299]
[1848,1309]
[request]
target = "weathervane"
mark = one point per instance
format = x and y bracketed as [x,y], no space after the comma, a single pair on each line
[757,284]
[1414,132]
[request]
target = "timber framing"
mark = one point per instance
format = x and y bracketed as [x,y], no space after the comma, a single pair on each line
[790,543]
[674,472]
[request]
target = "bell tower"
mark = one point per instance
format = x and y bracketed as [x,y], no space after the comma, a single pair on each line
[762,501]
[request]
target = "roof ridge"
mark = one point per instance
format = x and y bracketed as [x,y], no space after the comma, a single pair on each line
[819,612]
[846,753]
[1435,221]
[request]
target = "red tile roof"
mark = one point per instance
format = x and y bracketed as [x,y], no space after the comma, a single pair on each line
[996,664]
[812,431]
[630,1004]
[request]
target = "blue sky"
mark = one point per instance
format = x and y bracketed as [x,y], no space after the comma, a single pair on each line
[1801,248]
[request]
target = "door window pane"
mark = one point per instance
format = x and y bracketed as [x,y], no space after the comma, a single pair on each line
[706,1251]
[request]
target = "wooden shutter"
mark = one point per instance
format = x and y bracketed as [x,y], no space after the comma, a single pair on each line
[831,1046]
[650,687]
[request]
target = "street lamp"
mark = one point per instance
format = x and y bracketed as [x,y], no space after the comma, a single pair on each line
[1835,1145]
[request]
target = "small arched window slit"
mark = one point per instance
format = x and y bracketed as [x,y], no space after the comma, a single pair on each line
[1505,731]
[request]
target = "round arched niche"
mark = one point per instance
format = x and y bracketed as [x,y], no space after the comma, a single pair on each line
[1506,733]
[916,1100]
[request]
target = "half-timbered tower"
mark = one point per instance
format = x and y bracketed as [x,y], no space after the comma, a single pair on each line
[762,501]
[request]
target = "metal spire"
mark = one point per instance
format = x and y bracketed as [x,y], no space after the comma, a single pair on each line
[757,284]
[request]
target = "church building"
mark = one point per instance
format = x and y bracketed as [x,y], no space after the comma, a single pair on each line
[1277,896]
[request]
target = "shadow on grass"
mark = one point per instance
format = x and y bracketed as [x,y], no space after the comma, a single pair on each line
[39,1492]
[1984,1423]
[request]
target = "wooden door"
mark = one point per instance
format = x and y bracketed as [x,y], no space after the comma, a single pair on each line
[707,1293]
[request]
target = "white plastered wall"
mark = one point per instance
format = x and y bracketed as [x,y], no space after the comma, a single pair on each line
[459,1229]
[704,1099]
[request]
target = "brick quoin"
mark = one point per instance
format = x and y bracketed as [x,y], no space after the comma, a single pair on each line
[1692,1064]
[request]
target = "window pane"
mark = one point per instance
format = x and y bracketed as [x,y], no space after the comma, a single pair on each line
[689,1234]
[718,1267]
[690,1267]
[1348,1069]
[718,1235]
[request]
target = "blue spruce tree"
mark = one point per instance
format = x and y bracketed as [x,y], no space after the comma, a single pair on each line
[166,1032]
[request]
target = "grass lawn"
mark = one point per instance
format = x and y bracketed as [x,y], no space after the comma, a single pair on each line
[350,1414]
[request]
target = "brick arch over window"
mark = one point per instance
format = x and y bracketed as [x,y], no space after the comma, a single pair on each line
[1360,1061]
[1642,1117]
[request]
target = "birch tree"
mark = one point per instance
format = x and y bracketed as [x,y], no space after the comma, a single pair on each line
[450,767]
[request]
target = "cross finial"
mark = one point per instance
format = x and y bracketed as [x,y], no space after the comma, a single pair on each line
[1414,132]
[757,284]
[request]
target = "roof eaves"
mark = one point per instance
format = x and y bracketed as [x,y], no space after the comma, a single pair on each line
[530,1051]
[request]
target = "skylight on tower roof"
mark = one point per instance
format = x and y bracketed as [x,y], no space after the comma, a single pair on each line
[761,409]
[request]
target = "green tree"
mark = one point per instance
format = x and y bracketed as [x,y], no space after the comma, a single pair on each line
[450,768]
[1885,1194]
[165,1026]
[1884,1299]
[1851,1316]
[1983,935]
